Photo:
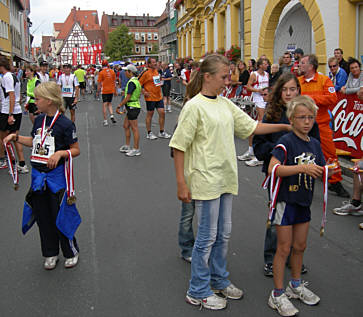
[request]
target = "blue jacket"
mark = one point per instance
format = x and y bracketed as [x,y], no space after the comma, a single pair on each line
[68,218]
[340,80]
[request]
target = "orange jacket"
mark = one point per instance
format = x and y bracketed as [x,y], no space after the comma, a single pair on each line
[322,90]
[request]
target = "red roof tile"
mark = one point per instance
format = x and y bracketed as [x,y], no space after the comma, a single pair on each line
[58,26]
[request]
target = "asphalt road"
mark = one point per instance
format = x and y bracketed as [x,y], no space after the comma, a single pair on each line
[129,261]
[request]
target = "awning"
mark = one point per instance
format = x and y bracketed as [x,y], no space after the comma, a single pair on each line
[5,53]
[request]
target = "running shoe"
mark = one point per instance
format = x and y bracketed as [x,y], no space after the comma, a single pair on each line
[231,292]
[361,226]
[302,293]
[164,135]
[282,304]
[347,209]
[267,270]
[3,164]
[112,119]
[50,262]
[151,136]
[105,123]
[22,169]
[187,259]
[71,262]
[339,190]
[133,152]
[125,148]
[253,162]
[168,108]
[245,156]
[213,302]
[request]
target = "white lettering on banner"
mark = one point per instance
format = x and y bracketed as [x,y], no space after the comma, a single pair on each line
[350,123]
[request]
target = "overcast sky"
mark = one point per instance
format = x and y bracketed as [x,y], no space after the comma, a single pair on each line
[43,13]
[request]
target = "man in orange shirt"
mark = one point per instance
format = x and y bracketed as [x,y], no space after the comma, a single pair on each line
[151,88]
[107,85]
[321,89]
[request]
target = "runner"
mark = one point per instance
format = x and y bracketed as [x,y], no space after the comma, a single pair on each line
[11,113]
[48,200]
[33,81]
[70,90]
[150,81]
[206,171]
[107,86]
[166,79]
[80,74]
[132,103]
[43,72]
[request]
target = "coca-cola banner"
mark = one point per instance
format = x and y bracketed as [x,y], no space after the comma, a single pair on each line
[348,121]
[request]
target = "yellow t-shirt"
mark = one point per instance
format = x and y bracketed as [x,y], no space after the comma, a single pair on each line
[205,133]
[80,73]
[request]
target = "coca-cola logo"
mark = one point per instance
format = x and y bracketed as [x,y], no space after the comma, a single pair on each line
[349,123]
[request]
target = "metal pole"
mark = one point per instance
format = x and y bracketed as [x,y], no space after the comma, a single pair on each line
[242,28]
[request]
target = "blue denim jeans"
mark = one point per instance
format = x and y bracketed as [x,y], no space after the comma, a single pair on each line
[186,235]
[209,257]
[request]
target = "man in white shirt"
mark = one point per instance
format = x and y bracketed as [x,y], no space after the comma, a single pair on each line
[43,73]
[11,113]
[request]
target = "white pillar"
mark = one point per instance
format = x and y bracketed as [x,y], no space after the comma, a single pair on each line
[192,42]
[205,35]
[186,43]
[215,25]
[227,32]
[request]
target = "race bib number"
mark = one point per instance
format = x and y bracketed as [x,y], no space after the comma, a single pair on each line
[41,154]
[67,91]
[156,80]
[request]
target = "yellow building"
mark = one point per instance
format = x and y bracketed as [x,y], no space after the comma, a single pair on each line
[5,38]
[270,27]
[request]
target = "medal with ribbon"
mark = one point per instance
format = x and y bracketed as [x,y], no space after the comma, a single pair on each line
[44,132]
[68,170]
[10,154]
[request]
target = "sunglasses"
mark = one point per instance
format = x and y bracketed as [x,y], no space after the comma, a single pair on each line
[332,66]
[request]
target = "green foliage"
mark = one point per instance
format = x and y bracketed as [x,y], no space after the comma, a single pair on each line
[119,44]
[155,49]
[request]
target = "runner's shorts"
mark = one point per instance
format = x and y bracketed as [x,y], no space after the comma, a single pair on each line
[152,105]
[290,214]
[132,113]
[5,126]
[68,103]
[82,85]
[166,89]
[107,97]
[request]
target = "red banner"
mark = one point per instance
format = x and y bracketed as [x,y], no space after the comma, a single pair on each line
[348,122]
[74,56]
[85,55]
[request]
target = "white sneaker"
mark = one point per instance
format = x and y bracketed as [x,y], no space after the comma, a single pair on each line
[347,209]
[71,262]
[105,123]
[125,148]
[3,164]
[253,162]
[213,302]
[50,262]
[245,156]
[151,136]
[230,291]
[302,293]
[282,304]
[22,169]
[133,152]
[164,135]
[168,108]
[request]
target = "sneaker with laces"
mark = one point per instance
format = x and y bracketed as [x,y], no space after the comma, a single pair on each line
[267,270]
[133,152]
[187,259]
[151,136]
[112,119]
[361,226]
[3,164]
[71,262]
[231,292]
[164,135]
[253,162]
[282,304]
[50,262]
[245,156]
[125,148]
[213,302]
[339,190]
[302,293]
[105,123]
[347,209]
[22,169]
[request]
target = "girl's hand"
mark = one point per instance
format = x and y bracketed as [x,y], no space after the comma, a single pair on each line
[9,138]
[313,170]
[184,193]
[54,159]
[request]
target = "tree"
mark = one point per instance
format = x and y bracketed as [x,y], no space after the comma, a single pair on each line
[119,44]
[155,49]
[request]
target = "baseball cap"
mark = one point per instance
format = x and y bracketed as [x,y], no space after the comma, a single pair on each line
[43,63]
[299,51]
[132,68]
[104,63]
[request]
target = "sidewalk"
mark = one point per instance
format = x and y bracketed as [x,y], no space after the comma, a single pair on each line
[344,161]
